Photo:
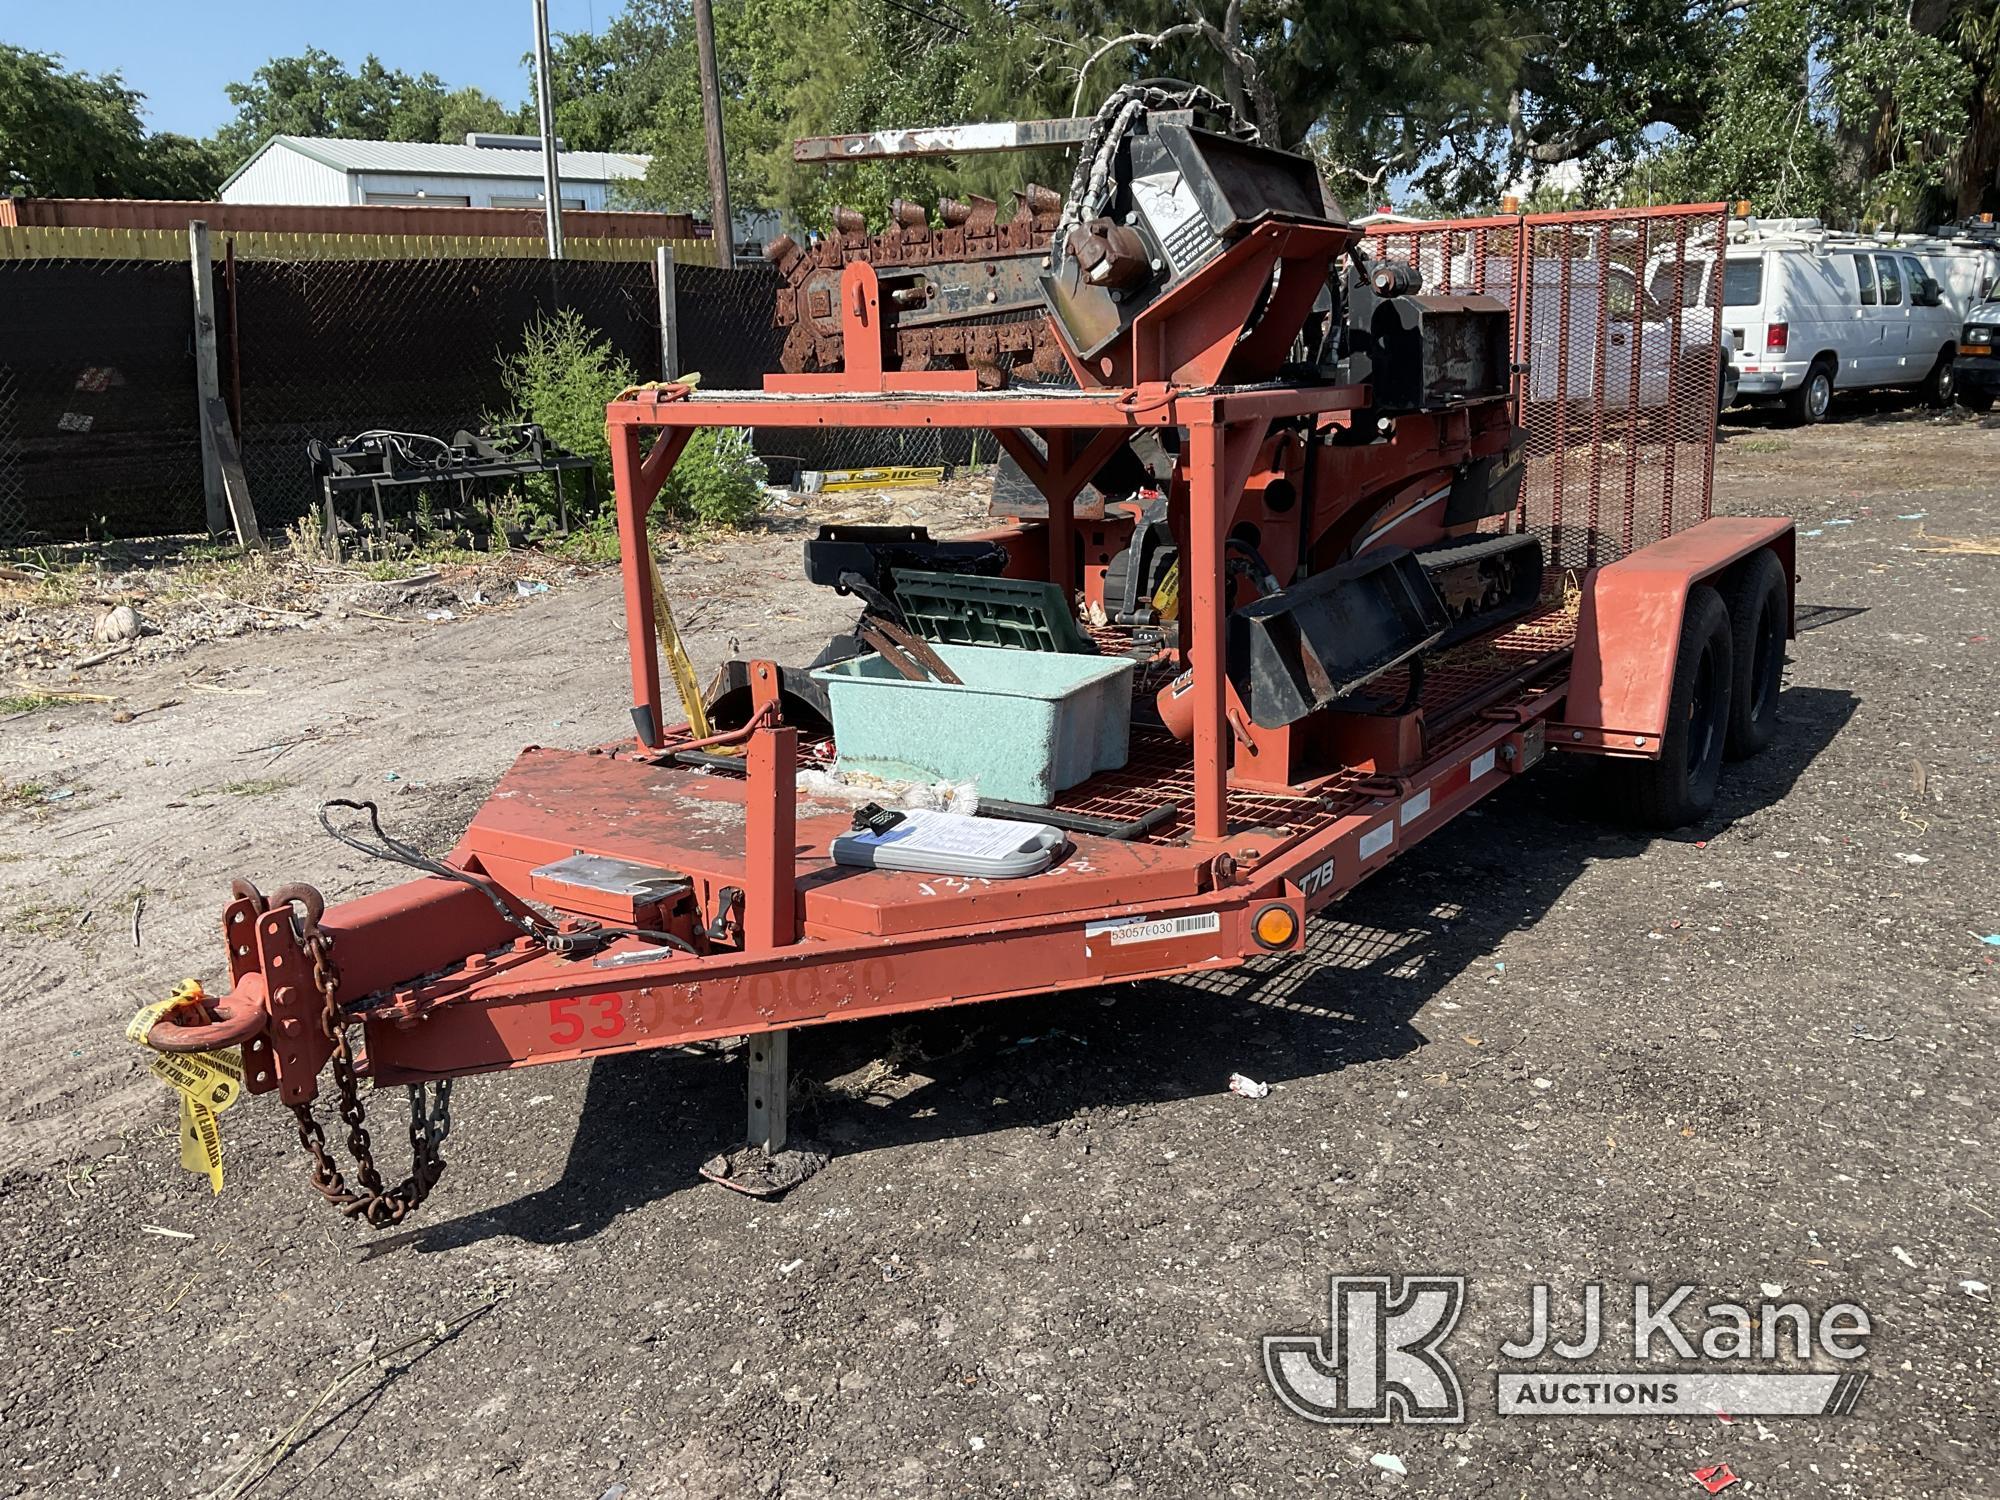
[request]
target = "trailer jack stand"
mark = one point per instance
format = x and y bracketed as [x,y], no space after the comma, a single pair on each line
[767,1164]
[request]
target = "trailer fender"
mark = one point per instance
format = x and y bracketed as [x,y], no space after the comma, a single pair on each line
[1630,620]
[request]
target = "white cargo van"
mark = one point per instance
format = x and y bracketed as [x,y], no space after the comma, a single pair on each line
[1807,312]
[1597,335]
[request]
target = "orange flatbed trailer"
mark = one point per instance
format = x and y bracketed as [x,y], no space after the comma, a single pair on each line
[1240,832]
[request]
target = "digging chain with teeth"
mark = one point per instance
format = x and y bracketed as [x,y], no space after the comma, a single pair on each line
[963,294]
[430,1119]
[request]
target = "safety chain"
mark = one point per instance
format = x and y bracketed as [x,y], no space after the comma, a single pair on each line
[430,1117]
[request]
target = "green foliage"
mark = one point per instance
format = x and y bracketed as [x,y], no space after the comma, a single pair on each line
[1836,108]
[803,67]
[717,483]
[314,94]
[1764,135]
[78,135]
[1873,109]
[563,376]
[1905,94]
[27,703]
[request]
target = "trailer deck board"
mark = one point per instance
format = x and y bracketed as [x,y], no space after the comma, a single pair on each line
[556,803]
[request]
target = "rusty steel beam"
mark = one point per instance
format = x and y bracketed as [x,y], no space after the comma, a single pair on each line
[941,140]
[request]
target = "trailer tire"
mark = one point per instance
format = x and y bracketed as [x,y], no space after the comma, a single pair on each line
[1679,787]
[1759,602]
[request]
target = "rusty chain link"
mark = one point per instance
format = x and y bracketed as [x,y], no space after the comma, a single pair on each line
[379,1206]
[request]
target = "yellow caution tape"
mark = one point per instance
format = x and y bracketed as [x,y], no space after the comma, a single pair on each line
[201,1142]
[679,666]
[878,479]
[1167,598]
[187,992]
[210,1078]
[207,1082]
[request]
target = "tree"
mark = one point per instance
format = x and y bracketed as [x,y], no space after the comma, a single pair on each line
[609,85]
[314,94]
[1883,110]
[1874,108]
[1841,109]
[1372,88]
[177,166]
[79,135]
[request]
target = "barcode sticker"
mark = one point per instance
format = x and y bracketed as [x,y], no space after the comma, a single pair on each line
[1375,840]
[1132,930]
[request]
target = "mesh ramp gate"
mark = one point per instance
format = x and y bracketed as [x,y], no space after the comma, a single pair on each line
[1620,362]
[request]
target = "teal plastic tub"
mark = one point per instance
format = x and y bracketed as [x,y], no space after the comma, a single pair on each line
[1023,724]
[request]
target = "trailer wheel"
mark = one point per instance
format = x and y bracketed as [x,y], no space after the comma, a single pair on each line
[1758,602]
[1679,787]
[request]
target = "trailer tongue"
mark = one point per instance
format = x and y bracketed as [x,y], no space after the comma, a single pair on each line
[1346,629]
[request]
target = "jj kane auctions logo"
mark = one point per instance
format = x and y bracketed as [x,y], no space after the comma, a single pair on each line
[1383,1358]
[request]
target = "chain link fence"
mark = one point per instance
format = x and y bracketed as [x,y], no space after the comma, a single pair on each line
[1618,389]
[97,401]
[327,349]
[13,492]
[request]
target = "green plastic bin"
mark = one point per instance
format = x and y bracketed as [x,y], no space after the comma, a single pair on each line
[1023,724]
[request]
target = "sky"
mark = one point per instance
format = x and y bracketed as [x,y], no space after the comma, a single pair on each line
[180,54]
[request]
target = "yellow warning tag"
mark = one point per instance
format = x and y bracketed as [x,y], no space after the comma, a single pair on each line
[201,1142]
[207,1082]
[211,1079]
[1167,598]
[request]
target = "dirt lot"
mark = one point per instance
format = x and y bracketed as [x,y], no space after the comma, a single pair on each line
[1538,1049]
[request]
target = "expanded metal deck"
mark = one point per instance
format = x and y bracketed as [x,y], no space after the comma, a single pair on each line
[1493,672]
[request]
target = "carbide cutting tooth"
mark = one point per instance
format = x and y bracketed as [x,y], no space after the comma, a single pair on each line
[952,212]
[1040,202]
[848,221]
[910,215]
[781,249]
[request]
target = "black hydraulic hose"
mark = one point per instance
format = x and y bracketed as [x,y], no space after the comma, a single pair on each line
[1269,580]
[394,851]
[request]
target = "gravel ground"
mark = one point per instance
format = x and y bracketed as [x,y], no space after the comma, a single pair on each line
[1537,1049]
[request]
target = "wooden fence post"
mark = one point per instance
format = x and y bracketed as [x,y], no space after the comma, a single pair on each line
[207,378]
[670,325]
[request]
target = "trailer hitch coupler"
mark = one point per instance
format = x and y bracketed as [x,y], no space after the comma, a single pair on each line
[235,1018]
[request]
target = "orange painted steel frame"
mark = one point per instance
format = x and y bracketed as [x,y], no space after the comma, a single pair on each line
[1225,428]
[817,944]
[803,942]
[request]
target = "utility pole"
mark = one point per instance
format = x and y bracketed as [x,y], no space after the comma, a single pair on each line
[711,114]
[545,106]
